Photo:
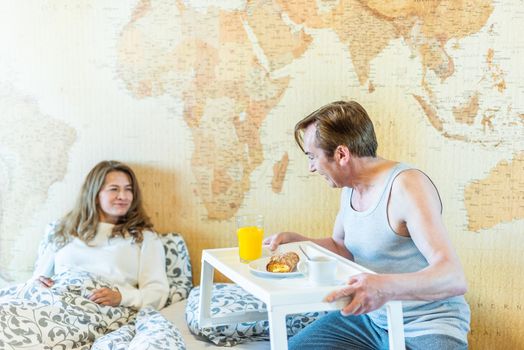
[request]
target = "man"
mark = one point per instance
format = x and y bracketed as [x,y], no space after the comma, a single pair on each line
[390,222]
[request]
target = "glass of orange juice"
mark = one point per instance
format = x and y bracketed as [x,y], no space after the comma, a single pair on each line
[250,232]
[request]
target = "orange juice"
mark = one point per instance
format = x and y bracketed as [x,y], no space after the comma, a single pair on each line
[250,242]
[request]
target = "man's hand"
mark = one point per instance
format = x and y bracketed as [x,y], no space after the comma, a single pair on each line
[45,281]
[106,296]
[274,241]
[365,292]
[280,238]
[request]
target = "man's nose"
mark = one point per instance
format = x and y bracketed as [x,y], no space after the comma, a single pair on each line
[312,167]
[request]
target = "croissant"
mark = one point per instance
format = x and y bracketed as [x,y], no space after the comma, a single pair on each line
[282,263]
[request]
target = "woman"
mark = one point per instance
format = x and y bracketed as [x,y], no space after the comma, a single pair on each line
[109,234]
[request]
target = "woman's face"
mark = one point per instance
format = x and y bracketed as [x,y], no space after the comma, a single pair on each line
[115,197]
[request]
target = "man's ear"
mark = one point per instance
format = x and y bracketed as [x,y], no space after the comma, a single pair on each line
[342,155]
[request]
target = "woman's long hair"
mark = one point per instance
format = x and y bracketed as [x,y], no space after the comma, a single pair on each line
[82,221]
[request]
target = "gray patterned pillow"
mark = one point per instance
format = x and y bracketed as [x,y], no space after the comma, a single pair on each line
[178,267]
[227,298]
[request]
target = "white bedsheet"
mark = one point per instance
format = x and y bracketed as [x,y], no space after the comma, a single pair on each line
[175,314]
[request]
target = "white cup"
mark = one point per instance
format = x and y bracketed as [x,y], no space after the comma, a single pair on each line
[320,270]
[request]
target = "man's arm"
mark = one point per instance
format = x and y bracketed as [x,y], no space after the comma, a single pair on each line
[331,243]
[335,243]
[414,204]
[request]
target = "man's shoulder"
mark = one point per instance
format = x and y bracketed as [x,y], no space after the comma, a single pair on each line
[410,176]
[413,186]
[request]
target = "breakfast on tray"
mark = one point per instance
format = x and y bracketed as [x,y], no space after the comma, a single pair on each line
[282,263]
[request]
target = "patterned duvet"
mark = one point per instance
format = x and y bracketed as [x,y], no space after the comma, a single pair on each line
[62,318]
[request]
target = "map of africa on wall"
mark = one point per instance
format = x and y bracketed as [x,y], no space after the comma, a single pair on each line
[226,68]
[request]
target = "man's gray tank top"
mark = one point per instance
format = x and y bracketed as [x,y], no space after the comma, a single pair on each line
[374,244]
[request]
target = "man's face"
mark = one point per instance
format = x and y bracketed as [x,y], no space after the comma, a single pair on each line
[318,162]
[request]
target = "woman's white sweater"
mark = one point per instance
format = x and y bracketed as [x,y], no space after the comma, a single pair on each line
[138,270]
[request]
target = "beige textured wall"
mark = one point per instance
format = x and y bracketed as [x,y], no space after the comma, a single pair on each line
[201,99]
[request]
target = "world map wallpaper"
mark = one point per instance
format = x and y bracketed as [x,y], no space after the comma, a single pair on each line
[201,98]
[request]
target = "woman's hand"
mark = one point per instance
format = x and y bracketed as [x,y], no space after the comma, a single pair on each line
[45,281]
[106,296]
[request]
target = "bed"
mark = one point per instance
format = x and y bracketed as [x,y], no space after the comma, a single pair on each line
[63,317]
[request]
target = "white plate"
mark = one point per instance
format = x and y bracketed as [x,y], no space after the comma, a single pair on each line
[258,267]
